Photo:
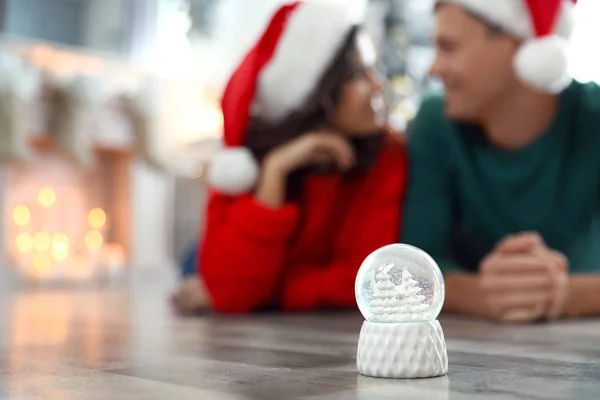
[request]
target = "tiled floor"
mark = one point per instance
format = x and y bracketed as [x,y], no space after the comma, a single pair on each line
[127,344]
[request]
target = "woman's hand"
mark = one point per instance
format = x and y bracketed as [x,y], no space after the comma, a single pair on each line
[192,296]
[308,149]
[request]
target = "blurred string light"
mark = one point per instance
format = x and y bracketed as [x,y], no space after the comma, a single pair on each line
[21,215]
[97,218]
[93,240]
[24,243]
[41,241]
[46,197]
[43,248]
[60,247]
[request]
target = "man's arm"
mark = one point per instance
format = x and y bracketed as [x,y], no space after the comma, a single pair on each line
[463,295]
[584,298]
[584,289]
[331,285]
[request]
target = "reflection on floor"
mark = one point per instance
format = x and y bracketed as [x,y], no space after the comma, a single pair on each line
[126,343]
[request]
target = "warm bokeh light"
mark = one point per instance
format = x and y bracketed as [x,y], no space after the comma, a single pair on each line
[212,121]
[59,225]
[24,243]
[64,63]
[114,255]
[41,241]
[42,263]
[201,122]
[42,56]
[90,65]
[79,268]
[60,247]
[97,218]
[93,240]
[21,215]
[46,197]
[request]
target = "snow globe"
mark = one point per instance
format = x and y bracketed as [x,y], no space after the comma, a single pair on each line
[400,291]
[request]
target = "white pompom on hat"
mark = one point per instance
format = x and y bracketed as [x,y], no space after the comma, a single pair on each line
[546,26]
[276,77]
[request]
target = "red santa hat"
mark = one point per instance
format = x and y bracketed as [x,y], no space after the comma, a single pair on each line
[276,77]
[546,26]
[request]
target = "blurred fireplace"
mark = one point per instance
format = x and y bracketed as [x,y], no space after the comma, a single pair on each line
[64,223]
[47,243]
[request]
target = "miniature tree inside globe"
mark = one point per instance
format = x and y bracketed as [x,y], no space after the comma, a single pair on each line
[399,283]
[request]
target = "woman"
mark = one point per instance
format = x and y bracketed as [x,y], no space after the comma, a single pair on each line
[311,180]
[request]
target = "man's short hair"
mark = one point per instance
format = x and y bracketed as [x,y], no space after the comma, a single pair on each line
[493,28]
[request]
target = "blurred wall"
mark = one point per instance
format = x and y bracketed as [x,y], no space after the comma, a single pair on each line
[103,24]
[95,24]
[55,20]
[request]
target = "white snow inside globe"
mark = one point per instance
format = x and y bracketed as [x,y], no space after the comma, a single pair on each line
[399,283]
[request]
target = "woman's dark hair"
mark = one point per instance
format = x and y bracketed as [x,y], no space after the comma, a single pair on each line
[263,136]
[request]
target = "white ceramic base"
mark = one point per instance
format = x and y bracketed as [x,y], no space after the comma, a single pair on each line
[402,351]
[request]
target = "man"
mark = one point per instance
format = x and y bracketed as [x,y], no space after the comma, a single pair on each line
[505,167]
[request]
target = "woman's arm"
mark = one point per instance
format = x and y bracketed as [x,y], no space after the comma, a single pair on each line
[374,224]
[243,251]
[247,238]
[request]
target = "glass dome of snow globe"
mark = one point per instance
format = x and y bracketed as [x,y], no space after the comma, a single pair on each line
[399,283]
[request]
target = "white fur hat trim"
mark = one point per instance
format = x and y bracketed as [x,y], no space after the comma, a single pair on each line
[313,35]
[542,63]
[233,171]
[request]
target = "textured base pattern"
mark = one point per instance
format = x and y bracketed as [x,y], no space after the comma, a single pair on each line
[406,350]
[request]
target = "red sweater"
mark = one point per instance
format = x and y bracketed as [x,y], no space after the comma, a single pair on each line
[305,255]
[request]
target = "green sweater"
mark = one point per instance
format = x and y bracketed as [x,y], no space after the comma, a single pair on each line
[464,195]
